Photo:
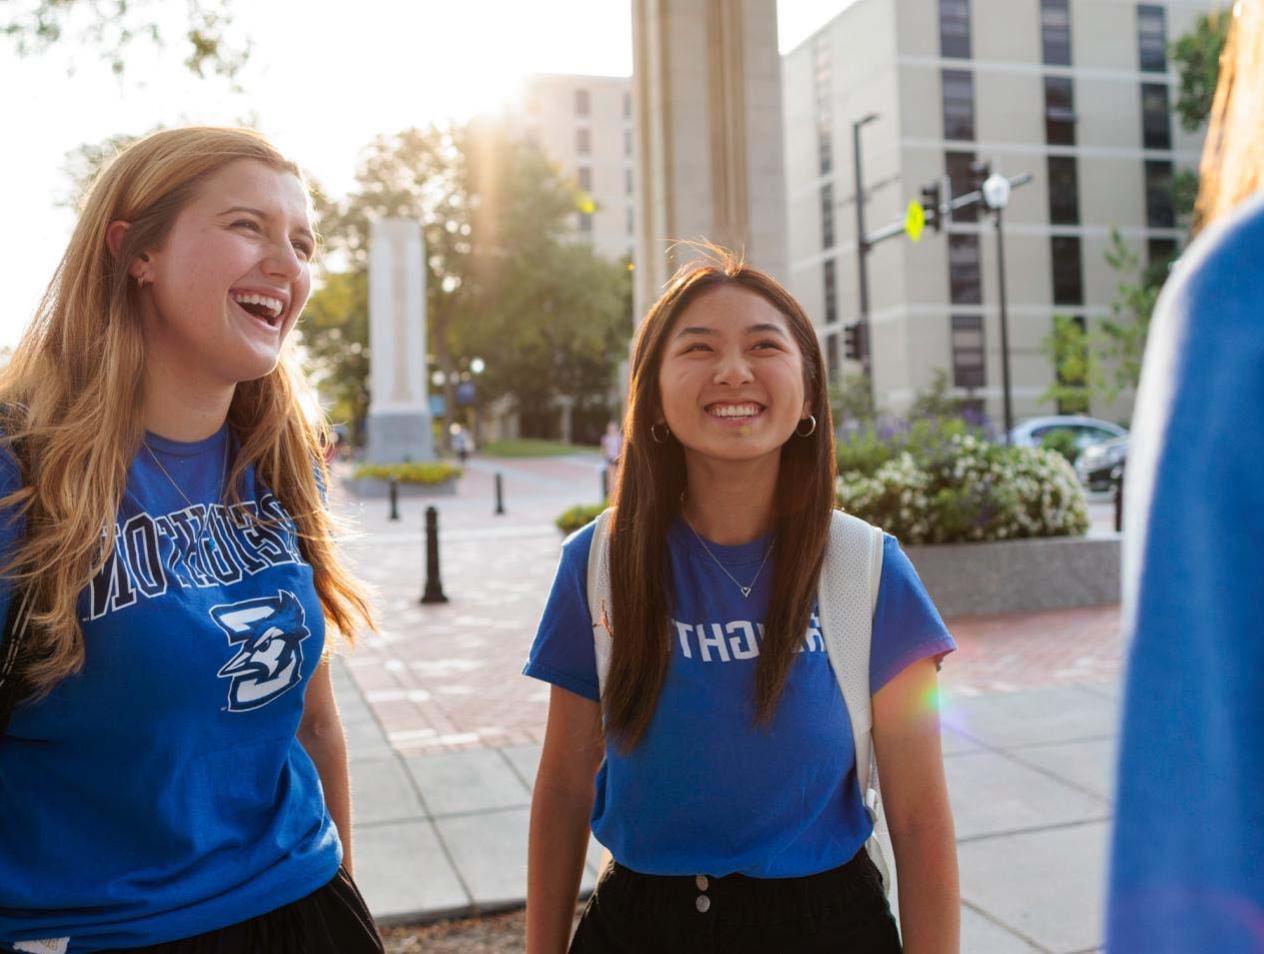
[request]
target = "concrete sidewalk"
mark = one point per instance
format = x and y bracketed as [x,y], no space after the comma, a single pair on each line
[444,735]
[1029,775]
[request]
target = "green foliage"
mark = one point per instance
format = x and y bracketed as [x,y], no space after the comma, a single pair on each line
[962,488]
[1061,442]
[436,472]
[864,453]
[1067,348]
[578,516]
[113,26]
[1122,336]
[336,333]
[1184,196]
[851,400]
[530,447]
[935,401]
[1196,56]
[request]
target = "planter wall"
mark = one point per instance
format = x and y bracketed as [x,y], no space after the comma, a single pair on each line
[375,487]
[1020,576]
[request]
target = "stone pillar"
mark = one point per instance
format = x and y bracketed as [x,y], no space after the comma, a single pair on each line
[399,408]
[709,164]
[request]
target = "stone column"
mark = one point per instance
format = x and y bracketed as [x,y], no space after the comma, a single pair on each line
[399,409]
[709,164]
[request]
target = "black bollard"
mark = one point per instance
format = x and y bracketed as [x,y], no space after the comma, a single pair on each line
[434,588]
[500,496]
[394,499]
[1119,498]
[605,484]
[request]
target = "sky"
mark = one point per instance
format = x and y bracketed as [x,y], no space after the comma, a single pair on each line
[323,80]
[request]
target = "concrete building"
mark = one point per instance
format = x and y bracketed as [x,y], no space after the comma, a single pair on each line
[1076,92]
[584,124]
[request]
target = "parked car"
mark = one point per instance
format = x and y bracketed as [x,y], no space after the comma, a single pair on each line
[1086,430]
[1100,465]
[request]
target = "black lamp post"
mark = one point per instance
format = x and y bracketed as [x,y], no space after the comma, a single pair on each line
[862,249]
[996,190]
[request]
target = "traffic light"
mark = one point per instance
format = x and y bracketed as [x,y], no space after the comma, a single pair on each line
[931,195]
[854,341]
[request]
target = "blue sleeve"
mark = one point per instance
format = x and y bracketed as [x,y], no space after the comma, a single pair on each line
[906,625]
[12,528]
[563,652]
[1186,872]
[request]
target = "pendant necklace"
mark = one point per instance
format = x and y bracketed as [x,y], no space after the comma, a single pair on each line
[206,520]
[746,590]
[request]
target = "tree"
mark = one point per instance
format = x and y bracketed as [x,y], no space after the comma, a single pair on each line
[851,400]
[1067,348]
[1197,58]
[113,26]
[335,332]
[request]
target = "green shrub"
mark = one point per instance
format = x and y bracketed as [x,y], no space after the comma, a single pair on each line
[1062,442]
[963,488]
[434,472]
[578,516]
[867,450]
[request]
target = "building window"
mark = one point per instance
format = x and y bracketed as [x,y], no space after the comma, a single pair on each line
[631,221]
[954,28]
[1158,186]
[1059,111]
[583,103]
[1156,124]
[958,104]
[964,280]
[585,223]
[968,366]
[627,181]
[1055,32]
[627,105]
[627,142]
[831,355]
[825,150]
[831,292]
[583,141]
[961,178]
[1152,38]
[585,178]
[1160,253]
[1064,191]
[1068,274]
[827,216]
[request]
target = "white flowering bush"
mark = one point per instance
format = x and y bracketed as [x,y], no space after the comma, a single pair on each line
[965,488]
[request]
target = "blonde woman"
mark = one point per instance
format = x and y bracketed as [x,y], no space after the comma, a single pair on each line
[173,771]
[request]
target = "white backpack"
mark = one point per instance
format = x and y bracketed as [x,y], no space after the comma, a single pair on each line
[847,596]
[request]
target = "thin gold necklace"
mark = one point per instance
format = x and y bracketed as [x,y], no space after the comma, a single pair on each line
[206,519]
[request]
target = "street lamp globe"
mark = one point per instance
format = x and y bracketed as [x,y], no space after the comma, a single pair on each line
[996,191]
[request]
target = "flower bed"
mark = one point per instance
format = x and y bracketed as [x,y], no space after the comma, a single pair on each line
[413,479]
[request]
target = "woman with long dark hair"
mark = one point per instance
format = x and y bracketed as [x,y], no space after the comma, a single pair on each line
[702,699]
[173,771]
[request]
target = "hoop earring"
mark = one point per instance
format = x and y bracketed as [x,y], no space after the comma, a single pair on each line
[810,431]
[654,433]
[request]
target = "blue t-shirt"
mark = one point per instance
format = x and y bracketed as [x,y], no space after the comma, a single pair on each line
[1187,872]
[706,792]
[161,792]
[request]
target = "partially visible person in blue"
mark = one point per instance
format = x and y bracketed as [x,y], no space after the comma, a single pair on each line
[1187,872]
[173,772]
[715,757]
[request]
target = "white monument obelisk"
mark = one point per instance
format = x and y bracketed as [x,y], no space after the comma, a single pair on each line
[709,164]
[399,404]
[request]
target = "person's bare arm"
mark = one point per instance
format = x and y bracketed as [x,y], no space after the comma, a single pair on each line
[915,800]
[322,736]
[561,804]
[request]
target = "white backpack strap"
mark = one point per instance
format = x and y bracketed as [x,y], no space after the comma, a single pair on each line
[599,595]
[847,597]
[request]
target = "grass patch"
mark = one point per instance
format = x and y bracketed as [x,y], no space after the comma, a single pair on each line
[532,447]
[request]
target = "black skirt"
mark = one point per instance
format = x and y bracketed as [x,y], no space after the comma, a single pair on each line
[331,920]
[843,910]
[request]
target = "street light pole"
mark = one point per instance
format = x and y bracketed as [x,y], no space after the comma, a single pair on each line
[862,248]
[1005,384]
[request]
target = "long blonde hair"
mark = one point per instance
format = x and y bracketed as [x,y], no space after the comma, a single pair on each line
[71,398]
[1232,166]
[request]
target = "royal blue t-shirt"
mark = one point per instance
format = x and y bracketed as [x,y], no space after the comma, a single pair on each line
[161,792]
[1187,872]
[706,792]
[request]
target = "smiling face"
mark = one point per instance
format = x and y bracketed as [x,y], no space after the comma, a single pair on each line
[231,278]
[731,381]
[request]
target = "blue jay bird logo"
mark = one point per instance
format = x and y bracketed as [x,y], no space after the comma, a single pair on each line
[268,632]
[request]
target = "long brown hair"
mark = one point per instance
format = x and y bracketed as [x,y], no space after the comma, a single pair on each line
[70,403]
[647,501]
[1232,167]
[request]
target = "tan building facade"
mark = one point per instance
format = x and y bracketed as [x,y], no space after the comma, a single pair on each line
[1077,93]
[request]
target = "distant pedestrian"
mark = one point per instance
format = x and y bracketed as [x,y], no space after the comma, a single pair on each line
[1186,869]
[707,743]
[460,443]
[611,446]
[173,771]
